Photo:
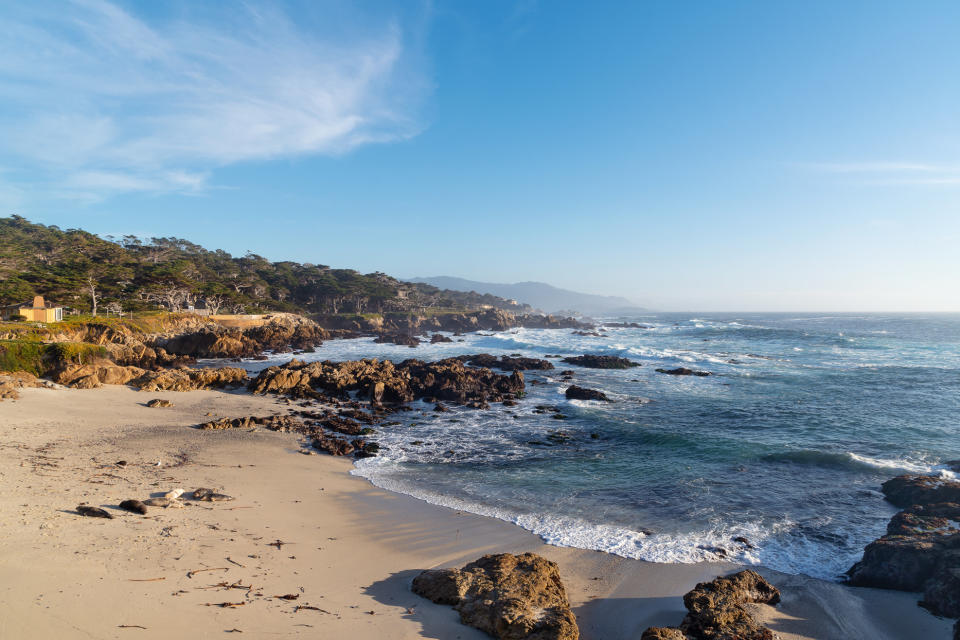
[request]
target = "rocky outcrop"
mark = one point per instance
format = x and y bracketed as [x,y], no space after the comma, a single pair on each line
[91,376]
[582,393]
[439,337]
[279,332]
[12,382]
[383,381]
[626,325]
[717,611]
[274,423]
[904,491]
[601,362]
[191,379]
[484,320]
[921,550]
[507,363]
[511,597]
[94,375]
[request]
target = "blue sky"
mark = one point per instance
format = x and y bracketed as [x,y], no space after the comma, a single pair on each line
[690,156]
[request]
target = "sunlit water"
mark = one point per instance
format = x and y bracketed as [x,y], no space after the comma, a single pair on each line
[785,445]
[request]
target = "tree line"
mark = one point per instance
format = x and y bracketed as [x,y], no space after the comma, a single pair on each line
[77,269]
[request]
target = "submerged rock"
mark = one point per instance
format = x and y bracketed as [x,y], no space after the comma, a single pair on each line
[717,612]
[511,597]
[601,362]
[683,371]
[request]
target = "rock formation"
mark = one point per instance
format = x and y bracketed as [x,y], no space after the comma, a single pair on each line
[383,381]
[511,597]
[921,550]
[507,363]
[717,612]
[581,393]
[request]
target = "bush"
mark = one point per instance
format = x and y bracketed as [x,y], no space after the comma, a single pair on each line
[18,318]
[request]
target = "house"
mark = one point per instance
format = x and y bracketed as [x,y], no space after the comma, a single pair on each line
[37,311]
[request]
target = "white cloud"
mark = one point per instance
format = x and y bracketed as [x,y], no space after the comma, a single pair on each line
[101,101]
[894,173]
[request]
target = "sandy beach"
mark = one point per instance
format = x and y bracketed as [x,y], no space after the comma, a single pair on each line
[346,549]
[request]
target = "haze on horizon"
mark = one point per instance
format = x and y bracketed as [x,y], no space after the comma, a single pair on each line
[742,156]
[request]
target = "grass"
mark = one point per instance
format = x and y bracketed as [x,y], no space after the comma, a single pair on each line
[38,358]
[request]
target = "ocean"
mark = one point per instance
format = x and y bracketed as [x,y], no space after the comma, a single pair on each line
[775,459]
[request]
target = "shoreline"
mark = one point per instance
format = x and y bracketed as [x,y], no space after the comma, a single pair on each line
[354,547]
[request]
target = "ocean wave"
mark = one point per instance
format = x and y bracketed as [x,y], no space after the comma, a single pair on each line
[846,459]
[777,546]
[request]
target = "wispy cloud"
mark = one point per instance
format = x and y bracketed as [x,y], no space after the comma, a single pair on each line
[894,173]
[98,101]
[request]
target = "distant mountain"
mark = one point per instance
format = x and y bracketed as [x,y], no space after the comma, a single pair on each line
[539,295]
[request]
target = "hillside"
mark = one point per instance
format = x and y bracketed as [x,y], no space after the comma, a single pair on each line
[74,268]
[537,294]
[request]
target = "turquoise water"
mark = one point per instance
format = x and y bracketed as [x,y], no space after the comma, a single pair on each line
[785,446]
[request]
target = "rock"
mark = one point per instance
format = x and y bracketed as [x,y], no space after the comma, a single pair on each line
[663,633]
[445,380]
[626,325]
[581,393]
[921,550]
[511,597]
[904,491]
[683,371]
[601,362]
[507,363]
[191,379]
[93,512]
[439,408]
[717,612]
[942,592]
[159,402]
[398,338]
[437,337]
[592,334]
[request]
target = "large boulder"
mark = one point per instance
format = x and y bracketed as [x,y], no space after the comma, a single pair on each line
[574,392]
[511,597]
[717,611]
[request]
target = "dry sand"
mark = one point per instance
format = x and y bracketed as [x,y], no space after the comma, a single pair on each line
[349,548]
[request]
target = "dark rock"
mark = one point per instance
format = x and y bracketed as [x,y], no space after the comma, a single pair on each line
[581,393]
[134,506]
[398,338]
[683,371]
[626,325]
[439,408]
[511,597]
[904,491]
[921,551]
[593,334]
[437,337]
[507,363]
[601,362]
[717,610]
